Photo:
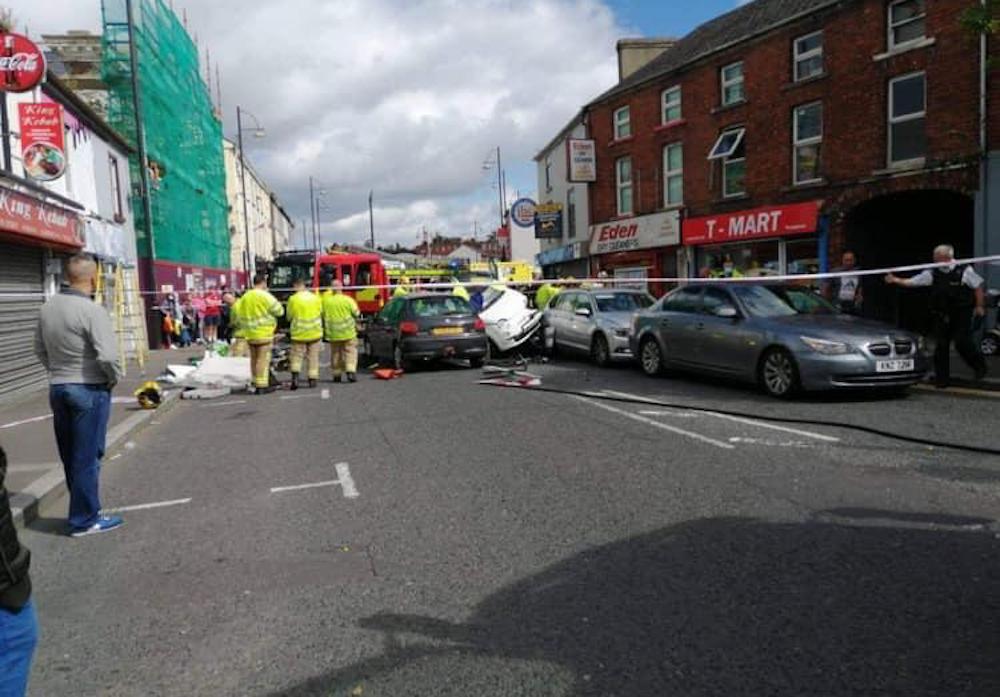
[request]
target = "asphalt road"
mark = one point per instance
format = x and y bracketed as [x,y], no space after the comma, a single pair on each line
[471,540]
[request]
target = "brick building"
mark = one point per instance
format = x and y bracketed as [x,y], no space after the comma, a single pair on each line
[786,131]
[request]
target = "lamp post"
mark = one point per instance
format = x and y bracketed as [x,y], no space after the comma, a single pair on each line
[248,260]
[316,192]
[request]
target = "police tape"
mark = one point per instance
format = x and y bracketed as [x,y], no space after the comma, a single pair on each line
[600,281]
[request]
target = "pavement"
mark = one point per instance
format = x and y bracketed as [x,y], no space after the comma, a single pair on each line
[432,536]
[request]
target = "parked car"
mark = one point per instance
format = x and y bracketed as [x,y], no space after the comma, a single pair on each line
[425,327]
[509,321]
[595,322]
[782,337]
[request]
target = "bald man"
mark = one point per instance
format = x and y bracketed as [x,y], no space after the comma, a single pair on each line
[76,343]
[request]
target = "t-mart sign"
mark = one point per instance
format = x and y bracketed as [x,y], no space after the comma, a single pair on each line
[643,232]
[767,221]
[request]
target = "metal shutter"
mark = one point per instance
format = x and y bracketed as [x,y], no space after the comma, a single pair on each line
[21,271]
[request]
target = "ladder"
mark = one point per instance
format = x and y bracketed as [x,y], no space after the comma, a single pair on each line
[130,318]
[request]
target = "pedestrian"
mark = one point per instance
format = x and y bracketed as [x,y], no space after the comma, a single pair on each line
[728,269]
[845,291]
[956,294]
[240,348]
[213,313]
[76,343]
[258,318]
[18,623]
[225,327]
[305,316]
[340,315]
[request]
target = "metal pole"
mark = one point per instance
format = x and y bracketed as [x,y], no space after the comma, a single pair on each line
[312,213]
[319,227]
[8,163]
[371,217]
[248,261]
[140,144]
[499,186]
[305,241]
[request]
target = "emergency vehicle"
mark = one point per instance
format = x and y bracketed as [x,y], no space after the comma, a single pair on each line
[320,269]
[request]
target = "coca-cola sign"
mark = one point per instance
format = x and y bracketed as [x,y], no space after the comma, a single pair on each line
[22,63]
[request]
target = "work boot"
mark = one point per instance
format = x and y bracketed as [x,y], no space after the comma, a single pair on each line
[351,377]
[265,390]
[295,382]
[336,378]
[312,382]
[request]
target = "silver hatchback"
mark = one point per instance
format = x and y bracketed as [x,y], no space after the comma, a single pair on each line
[594,321]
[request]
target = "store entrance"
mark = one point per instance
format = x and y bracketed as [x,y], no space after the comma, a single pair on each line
[903,229]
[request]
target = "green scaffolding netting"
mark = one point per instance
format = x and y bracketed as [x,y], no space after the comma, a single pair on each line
[183,134]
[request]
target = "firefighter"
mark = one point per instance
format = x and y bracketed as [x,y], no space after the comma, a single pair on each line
[305,315]
[258,313]
[340,315]
[545,294]
[239,348]
[402,288]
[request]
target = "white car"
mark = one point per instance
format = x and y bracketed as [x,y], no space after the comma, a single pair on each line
[509,321]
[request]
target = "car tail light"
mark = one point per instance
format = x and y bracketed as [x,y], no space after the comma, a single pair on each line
[480,325]
[408,328]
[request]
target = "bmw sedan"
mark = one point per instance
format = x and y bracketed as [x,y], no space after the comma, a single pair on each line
[783,338]
[594,322]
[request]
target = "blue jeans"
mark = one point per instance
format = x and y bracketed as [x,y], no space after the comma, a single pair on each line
[80,416]
[18,636]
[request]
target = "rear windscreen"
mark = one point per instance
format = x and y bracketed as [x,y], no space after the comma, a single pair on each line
[444,306]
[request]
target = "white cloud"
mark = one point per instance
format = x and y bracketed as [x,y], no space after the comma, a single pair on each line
[406,97]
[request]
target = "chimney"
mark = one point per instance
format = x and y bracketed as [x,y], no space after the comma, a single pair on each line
[635,53]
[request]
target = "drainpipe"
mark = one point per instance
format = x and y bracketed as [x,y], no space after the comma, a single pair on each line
[984,163]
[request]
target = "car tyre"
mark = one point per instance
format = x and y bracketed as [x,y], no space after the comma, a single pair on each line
[778,374]
[600,353]
[476,363]
[651,357]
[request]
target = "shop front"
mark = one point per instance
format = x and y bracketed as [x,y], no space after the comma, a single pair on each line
[34,239]
[765,241]
[564,262]
[637,249]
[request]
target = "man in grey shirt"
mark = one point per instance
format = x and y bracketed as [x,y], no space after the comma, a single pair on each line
[76,343]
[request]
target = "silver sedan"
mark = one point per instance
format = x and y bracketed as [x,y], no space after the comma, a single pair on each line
[594,321]
[784,338]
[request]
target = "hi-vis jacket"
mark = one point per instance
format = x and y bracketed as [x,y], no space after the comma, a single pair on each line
[234,320]
[305,314]
[258,315]
[340,313]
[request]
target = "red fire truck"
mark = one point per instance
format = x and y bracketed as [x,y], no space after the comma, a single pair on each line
[320,269]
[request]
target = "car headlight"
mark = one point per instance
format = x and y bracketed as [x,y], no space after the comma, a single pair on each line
[827,348]
[621,333]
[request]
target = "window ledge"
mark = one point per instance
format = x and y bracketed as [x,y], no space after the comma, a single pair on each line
[908,166]
[817,184]
[669,125]
[621,141]
[728,107]
[624,216]
[803,83]
[732,199]
[671,208]
[904,48]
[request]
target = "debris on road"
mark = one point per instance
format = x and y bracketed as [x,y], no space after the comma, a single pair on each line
[206,393]
[514,377]
[387,373]
[214,372]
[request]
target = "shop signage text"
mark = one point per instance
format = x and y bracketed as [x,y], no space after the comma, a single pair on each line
[22,63]
[581,158]
[548,221]
[25,217]
[522,213]
[43,147]
[646,231]
[768,221]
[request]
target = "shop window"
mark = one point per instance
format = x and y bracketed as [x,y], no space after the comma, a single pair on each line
[749,259]
[802,257]
[907,118]
[808,56]
[807,139]
[623,123]
[673,175]
[907,22]
[671,109]
[571,213]
[732,84]
[623,182]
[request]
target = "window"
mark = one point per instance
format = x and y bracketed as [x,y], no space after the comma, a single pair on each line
[907,118]
[907,22]
[727,143]
[686,299]
[622,302]
[623,123]
[671,105]
[564,302]
[548,174]
[623,182]
[714,299]
[808,56]
[807,137]
[571,213]
[116,188]
[732,84]
[673,175]
[731,150]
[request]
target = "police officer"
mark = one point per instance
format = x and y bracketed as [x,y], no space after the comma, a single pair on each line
[956,293]
[305,316]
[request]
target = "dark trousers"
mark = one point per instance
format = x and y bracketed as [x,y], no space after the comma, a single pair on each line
[955,326]
[80,417]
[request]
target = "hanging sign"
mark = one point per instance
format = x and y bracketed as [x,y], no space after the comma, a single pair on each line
[581,155]
[22,63]
[43,143]
[523,212]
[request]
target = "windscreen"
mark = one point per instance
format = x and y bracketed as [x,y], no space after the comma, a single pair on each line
[443,306]
[622,302]
[284,274]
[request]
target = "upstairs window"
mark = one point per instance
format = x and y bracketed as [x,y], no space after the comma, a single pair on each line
[623,123]
[907,118]
[673,175]
[808,56]
[623,184]
[807,139]
[732,84]
[571,213]
[671,101]
[907,22]
[731,150]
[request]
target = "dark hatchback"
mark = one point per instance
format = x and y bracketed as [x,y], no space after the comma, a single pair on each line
[426,327]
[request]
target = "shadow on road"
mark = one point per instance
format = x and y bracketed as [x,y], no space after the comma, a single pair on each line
[719,607]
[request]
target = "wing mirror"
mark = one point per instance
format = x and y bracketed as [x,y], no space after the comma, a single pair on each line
[583,312]
[727,312]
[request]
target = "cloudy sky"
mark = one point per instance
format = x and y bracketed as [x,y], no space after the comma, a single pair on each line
[406,97]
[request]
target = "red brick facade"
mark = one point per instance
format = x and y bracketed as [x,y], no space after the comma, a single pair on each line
[853,91]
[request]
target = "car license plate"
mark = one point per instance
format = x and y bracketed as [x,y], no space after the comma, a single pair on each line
[446,331]
[897,366]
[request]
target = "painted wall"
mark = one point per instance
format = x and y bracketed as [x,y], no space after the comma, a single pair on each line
[558,188]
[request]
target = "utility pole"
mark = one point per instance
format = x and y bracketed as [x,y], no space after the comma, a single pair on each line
[305,242]
[371,217]
[248,258]
[312,212]
[500,185]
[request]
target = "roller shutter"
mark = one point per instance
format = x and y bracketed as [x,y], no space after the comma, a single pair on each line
[21,296]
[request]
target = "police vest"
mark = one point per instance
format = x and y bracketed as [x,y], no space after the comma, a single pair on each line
[948,292]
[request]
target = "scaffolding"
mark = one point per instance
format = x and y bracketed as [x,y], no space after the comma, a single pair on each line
[183,134]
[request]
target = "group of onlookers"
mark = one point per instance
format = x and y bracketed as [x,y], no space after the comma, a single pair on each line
[198,318]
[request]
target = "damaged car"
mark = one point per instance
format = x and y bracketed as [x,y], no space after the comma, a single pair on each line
[510,322]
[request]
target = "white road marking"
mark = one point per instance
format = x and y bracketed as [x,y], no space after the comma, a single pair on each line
[32,420]
[32,468]
[739,419]
[344,481]
[227,404]
[771,443]
[657,424]
[147,506]
[325,394]
[292,396]
[678,414]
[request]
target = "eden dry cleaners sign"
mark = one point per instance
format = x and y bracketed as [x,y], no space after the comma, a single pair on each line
[643,232]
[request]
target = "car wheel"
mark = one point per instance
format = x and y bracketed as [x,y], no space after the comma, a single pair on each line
[492,350]
[476,362]
[779,376]
[600,354]
[651,357]
[990,345]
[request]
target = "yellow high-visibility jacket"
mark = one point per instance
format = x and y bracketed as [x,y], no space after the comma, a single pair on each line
[305,314]
[460,291]
[258,315]
[340,314]
[401,290]
[234,320]
[545,294]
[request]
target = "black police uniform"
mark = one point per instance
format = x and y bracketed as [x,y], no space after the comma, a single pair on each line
[951,306]
[15,584]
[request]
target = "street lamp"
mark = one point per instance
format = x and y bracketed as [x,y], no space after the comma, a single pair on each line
[316,192]
[248,260]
